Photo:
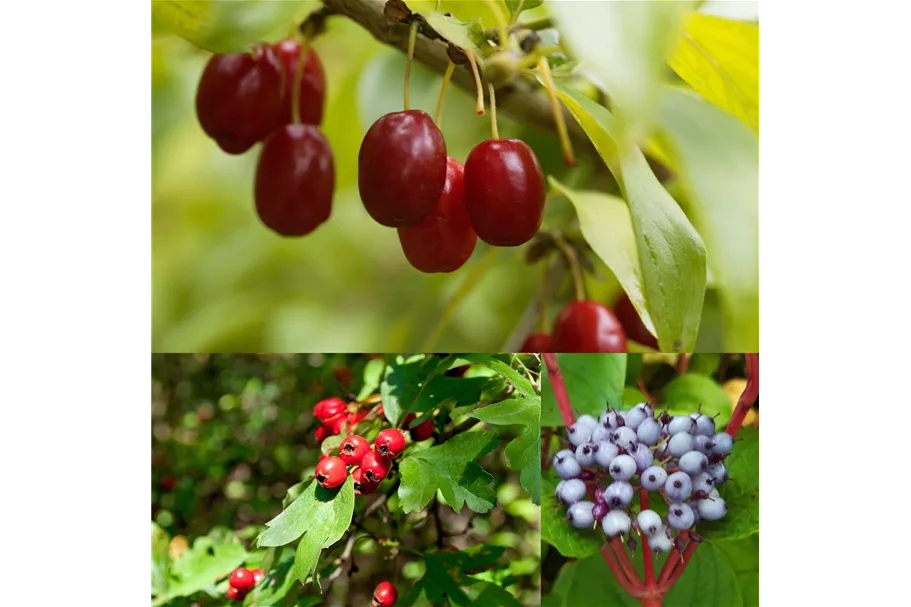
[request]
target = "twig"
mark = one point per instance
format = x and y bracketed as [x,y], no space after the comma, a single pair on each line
[559,388]
[618,573]
[750,393]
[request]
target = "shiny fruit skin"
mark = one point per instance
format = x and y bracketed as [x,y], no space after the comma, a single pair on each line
[313,83]
[239,97]
[329,408]
[385,595]
[445,240]
[336,424]
[355,416]
[353,449]
[536,343]
[295,178]
[321,434]
[234,594]
[242,579]
[632,323]
[587,326]
[257,575]
[375,466]
[362,484]
[389,443]
[401,168]
[422,431]
[504,192]
[331,472]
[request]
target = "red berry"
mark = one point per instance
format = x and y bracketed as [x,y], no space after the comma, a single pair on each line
[375,466]
[295,177]
[353,449]
[321,433]
[632,323]
[389,443]
[331,472]
[444,241]
[329,408]
[422,431]
[235,595]
[504,191]
[239,98]
[257,575]
[336,423]
[587,326]
[355,416]
[401,168]
[385,595]
[313,83]
[536,343]
[362,484]
[242,579]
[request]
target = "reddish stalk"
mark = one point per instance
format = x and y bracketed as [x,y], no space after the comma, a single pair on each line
[678,570]
[683,363]
[631,589]
[625,563]
[545,451]
[646,551]
[750,393]
[670,563]
[556,382]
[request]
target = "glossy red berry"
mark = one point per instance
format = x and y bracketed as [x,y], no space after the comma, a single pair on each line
[337,423]
[385,595]
[313,83]
[234,594]
[389,443]
[504,191]
[401,168]
[239,98]
[587,326]
[328,408]
[257,575]
[242,579]
[632,323]
[295,178]
[355,416]
[536,343]
[444,241]
[331,472]
[375,466]
[422,431]
[362,484]
[321,433]
[353,449]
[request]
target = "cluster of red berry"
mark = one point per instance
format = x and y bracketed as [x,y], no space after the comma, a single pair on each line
[590,326]
[245,98]
[335,417]
[440,207]
[241,581]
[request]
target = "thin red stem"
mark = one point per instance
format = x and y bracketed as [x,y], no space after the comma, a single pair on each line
[683,363]
[556,382]
[652,601]
[750,393]
[646,551]
[545,451]
[681,566]
[670,563]
[618,572]
[625,563]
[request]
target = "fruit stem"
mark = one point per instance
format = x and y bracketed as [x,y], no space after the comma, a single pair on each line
[479,108]
[545,451]
[446,77]
[493,112]
[750,393]
[412,38]
[625,563]
[680,566]
[559,388]
[569,158]
[652,601]
[464,289]
[646,550]
[298,78]
[618,572]
[683,363]
[670,564]
[515,14]
[573,262]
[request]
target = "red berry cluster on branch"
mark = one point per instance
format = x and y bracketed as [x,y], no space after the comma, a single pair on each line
[246,98]
[335,417]
[241,581]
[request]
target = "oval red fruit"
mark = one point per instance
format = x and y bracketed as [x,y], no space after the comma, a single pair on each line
[353,449]
[362,484]
[632,323]
[536,343]
[313,83]
[422,431]
[329,408]
[331,472]
[375,466]
[242,579]
[587,326]
[385,595]
[389,443]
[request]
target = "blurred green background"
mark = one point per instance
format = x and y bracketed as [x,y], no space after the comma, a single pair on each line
[232,433]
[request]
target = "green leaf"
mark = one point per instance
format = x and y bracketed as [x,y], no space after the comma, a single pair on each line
[743,556]
[449,468]
[685,393]
[330,444]
[556,530]
[326,511]
[719,58]
[276,584]
[707,581]
[671,252]
[740,493]
[161,560]
[588,582]
[704,363]
[592,381]
[467,35]
[210,559]
[488,594]
[625,45]
[716,159]
[435,584]
[526,5]
[404,381]
[524,452]
[373,374]
[607,226]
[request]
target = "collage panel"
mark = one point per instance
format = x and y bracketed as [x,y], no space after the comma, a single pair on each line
[650,480]
[339,479]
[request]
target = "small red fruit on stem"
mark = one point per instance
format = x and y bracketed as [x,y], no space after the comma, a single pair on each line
[362,484]
[375,466]
[632,323]
[536,343]
[422,431]
[353,449]
[329,408]
[234,594]
[242,579]
[331,472]
[257,575]
[385,595]
[587,326]
[313,83]
[389,443]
